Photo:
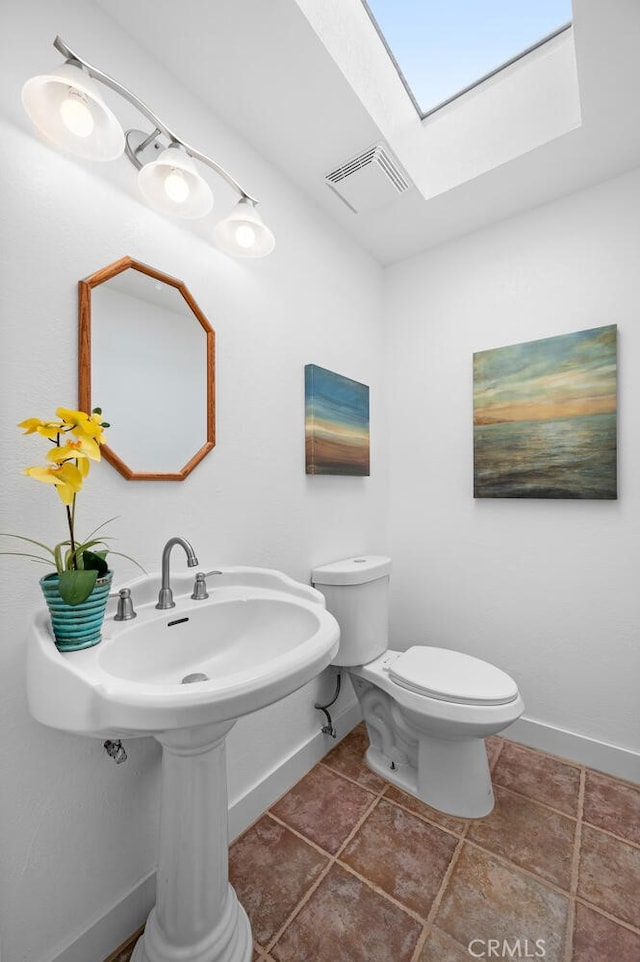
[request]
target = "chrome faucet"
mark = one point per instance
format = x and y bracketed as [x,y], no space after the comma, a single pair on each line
[165,596]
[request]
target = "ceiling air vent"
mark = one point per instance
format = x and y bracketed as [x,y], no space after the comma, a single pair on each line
[368,181]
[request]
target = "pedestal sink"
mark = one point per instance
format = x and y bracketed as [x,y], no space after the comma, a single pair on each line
[184,676]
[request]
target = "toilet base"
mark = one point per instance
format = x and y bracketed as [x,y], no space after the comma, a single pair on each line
[454,776]
[451,776]
[450,773]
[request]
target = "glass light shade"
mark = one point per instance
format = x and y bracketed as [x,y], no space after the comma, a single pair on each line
[243,233]
[172,185]
[67,108]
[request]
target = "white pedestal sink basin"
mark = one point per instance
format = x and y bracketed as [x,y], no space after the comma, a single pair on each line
[257,638]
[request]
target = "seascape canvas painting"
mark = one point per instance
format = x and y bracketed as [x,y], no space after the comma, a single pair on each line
[336,423]
[545,418]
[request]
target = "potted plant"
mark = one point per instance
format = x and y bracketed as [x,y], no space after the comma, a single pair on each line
[78,590]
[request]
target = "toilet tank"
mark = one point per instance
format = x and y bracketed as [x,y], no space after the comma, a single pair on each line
[357,595]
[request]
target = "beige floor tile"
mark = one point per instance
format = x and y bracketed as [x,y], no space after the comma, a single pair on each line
[347,921]
[490,899]
[539,776]
[612,805]
[598,939]
[609,874]
[528,834]
[403,855]
[271,869]
[324,807]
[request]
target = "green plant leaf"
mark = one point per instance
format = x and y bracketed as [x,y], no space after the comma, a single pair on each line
[95,561]
[102,525]
[75,559]
[20,537]
[25,554]
[76,586]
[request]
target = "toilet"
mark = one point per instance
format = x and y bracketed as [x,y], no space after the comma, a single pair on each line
[427,710]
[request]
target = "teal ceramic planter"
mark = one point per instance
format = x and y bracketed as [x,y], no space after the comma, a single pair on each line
[76,626]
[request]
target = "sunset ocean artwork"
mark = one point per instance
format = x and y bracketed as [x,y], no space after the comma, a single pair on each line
[545,418]
[336,423]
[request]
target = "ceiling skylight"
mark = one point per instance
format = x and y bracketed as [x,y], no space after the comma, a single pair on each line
[443,47]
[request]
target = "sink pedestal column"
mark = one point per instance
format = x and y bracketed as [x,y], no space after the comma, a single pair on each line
[197,915]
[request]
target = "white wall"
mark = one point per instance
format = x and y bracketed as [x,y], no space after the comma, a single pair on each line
[78,832]
[546,589]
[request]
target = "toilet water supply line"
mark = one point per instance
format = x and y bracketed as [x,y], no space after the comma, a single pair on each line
[329,728]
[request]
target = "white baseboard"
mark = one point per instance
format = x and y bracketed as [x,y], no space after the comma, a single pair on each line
[610,759]
[115,927]
[122,920]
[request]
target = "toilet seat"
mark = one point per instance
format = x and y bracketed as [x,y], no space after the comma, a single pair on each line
[452,676]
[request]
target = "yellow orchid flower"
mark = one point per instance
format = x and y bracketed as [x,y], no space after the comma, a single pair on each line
[49,429]
[66,477]
[81,449]
[82,462]
[73,443]
[83,425]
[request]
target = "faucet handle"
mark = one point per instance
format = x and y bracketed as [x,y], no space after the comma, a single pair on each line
[200,587]
[125,610]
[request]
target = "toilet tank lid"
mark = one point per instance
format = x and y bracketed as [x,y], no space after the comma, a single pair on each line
[352,571]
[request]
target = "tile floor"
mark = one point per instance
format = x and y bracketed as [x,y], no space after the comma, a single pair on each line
[347,868]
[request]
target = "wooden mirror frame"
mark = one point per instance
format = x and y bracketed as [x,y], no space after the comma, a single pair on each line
[84,364]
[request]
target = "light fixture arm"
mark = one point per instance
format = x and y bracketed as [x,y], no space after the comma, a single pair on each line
[161,127]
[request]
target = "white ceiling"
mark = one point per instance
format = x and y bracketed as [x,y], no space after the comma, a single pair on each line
[262,67]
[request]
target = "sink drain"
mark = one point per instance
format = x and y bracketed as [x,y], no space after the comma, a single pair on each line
[195,676]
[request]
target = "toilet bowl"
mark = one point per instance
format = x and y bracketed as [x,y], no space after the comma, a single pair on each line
[427,709]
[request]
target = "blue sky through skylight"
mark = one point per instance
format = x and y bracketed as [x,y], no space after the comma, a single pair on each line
[443,46]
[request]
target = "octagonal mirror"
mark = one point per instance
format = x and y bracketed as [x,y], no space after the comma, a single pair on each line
[147,359]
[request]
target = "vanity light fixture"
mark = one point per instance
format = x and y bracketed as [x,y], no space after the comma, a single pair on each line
[67,108]
[172,184]
[243,229]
